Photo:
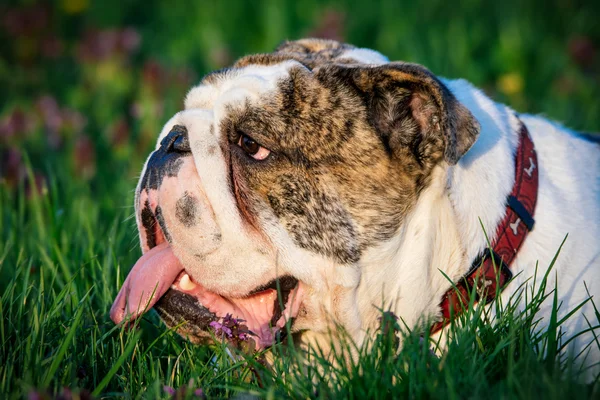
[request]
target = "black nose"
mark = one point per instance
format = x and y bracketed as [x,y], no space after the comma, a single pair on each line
[168,158]
[176,141]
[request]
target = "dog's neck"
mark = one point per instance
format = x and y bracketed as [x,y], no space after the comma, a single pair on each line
[445,231]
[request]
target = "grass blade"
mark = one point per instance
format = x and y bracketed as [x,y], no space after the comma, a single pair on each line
[63,347]
[128,350]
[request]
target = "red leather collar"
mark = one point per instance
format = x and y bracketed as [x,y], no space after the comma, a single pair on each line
[490,272]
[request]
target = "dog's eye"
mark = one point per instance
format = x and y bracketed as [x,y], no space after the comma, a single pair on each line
[252,148]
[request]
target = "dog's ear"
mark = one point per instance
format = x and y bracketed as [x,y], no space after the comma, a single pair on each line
[411,109]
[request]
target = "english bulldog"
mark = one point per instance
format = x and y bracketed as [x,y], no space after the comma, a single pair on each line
[299,189]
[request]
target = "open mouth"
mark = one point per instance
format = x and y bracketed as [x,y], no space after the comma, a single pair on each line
[259,317]
[158,279]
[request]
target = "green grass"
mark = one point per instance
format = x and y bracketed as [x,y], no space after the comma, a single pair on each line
[61,269]
[65,251]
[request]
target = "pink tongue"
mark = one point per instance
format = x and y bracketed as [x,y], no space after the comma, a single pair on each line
[149,279]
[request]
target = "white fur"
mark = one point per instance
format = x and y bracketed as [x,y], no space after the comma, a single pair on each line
[247,82]
[365,56]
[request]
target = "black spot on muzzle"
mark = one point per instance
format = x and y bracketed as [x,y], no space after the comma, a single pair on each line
[167,159]
[186,210]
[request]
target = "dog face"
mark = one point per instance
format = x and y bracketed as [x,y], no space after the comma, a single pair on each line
[263,194]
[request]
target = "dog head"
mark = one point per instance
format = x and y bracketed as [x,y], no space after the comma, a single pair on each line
[263,194]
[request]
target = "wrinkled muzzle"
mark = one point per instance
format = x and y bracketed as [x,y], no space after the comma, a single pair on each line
[204,268]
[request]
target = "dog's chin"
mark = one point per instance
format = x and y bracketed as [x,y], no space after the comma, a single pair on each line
[256,319]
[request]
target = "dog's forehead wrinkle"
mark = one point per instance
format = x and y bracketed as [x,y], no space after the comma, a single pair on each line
[253,78]
[310,55]
[200,97]
[261,73]
[318,52]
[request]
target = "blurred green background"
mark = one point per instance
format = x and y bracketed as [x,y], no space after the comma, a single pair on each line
[86,85]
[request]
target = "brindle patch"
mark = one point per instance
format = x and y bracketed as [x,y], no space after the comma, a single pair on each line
[352,146]
[315,220]
[186,210]
[331,184]
[312,46]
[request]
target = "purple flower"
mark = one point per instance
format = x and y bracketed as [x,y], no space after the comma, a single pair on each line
[98,45]
[129,40]
[229,321]
[33,395]
[84,157]
[220,328]
[51,113]
[169,390]
[232,328]
[11,166]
